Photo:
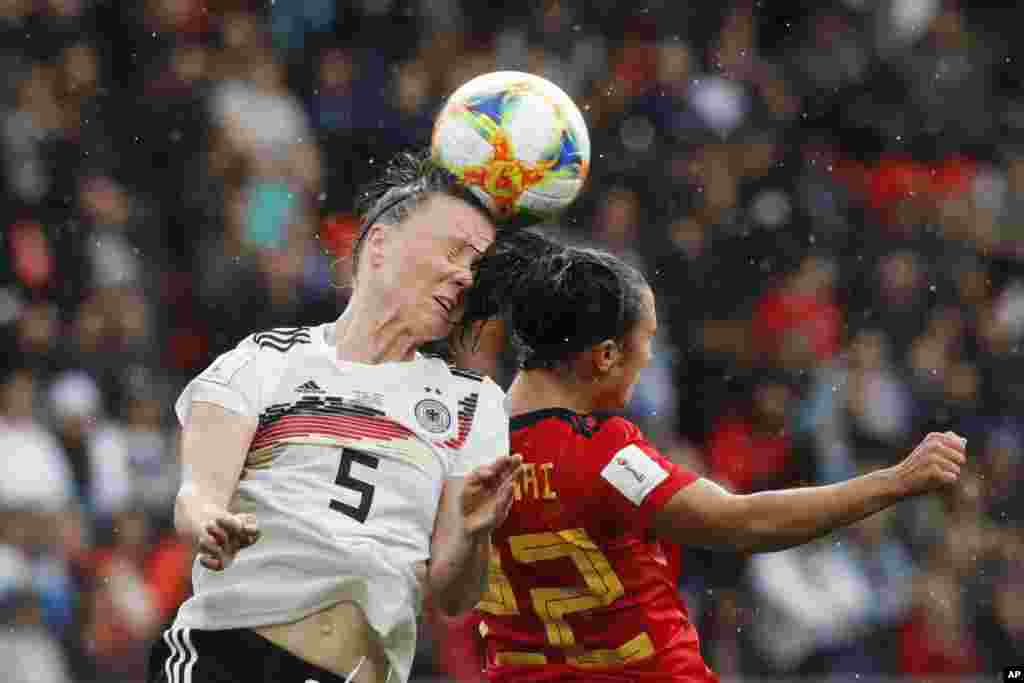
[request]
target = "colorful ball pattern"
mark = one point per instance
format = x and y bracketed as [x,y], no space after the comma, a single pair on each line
[517,141]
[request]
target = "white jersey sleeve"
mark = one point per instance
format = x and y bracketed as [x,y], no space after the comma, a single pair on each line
[233,381]
[488,438]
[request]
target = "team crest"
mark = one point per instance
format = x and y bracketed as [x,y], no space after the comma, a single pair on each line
[433,416]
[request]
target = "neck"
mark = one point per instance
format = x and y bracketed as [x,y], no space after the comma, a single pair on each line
[373,332]
[539,389]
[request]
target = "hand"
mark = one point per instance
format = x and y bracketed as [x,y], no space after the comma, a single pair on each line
[223,535]
[486,496]
[934,465]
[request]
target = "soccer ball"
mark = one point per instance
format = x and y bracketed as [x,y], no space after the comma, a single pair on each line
[517,141]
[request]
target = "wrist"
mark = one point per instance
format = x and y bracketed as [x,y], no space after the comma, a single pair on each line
[891,484]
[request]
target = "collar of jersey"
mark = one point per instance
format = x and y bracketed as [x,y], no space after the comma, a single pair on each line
[534,416]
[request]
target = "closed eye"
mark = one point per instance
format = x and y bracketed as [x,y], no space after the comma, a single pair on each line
[458,250]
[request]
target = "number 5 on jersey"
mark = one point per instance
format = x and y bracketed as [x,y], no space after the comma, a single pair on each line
[363,488]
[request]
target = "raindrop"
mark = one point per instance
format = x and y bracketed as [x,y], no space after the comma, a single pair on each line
[322,196]
[931,288]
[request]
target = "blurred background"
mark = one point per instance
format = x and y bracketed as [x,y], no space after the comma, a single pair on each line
[829,201]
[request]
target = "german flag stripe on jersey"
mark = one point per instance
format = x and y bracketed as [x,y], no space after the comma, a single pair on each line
[346,426]
[467,409]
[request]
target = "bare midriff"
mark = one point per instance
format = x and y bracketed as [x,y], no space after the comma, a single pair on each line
[336,639]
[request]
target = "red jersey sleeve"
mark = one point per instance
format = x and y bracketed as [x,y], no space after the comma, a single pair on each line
[628,479]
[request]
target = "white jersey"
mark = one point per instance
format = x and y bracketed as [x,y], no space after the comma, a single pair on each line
[344,475]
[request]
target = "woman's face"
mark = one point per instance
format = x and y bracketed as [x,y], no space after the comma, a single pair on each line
[427,260]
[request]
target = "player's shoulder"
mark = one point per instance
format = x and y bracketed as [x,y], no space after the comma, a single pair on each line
[597,436]
[259,352]
[613,431]
[467,380]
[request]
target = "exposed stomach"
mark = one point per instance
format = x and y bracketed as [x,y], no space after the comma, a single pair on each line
[338,639]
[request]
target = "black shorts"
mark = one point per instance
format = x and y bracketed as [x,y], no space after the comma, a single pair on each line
[188,655]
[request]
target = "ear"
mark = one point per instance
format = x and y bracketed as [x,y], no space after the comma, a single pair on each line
[605,356]
[376,239]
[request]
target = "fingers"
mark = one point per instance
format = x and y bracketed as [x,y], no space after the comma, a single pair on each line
[502,469]
[211,553]
[250,529]
[950,439]
[211,562]
[950,454]
[242,529]
[224,536]
[219,535]
[504,499]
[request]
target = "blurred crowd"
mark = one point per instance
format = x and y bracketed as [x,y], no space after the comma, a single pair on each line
[829,203]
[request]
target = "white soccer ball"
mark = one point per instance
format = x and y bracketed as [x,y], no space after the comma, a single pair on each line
[517,141]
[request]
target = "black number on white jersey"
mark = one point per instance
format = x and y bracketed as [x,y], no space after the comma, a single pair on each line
[363,488]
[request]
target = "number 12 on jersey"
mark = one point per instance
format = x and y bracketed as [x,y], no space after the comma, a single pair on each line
[551,605]
[345,479]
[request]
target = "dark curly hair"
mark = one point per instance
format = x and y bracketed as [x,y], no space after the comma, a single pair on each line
[555,300]
[409,179]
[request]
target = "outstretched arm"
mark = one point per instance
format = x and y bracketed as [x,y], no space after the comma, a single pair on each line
[705,514]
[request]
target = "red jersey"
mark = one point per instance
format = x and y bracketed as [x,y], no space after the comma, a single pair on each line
[579,588]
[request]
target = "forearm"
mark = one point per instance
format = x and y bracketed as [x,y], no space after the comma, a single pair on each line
[791,517]
[457,576]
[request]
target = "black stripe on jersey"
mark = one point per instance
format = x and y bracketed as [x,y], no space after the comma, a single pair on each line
[584,425]
[316,405]
[467,409]
[466,374]
[282,338]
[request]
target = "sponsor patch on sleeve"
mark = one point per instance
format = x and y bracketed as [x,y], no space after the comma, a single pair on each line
[634,473]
